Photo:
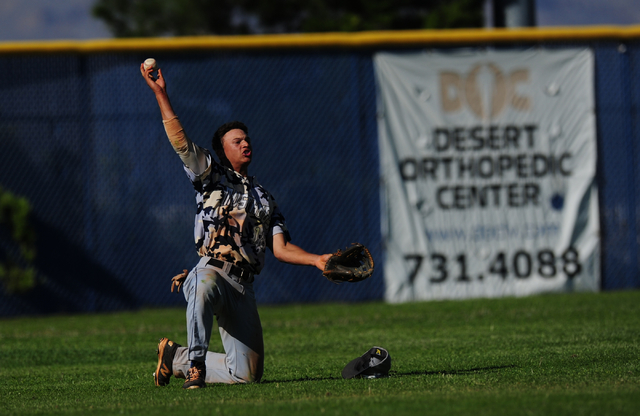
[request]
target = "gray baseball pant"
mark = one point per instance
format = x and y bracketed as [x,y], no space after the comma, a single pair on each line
[210,292]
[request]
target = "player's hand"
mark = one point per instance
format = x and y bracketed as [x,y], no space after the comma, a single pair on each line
[322,260]
[158,84]
[178,280]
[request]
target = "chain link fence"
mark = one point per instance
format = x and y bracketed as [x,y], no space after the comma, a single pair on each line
[82,140]
[618,123]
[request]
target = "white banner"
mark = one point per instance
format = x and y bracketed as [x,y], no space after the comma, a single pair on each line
[488,163]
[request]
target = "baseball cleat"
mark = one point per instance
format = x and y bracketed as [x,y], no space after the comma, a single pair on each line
[166,351]
[195,376]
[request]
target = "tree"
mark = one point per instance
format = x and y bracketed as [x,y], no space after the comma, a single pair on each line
[143,18]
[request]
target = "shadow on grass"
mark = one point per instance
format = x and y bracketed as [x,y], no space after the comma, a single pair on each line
[452,372]
[394,374]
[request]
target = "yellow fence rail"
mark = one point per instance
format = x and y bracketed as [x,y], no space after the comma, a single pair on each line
[373,39]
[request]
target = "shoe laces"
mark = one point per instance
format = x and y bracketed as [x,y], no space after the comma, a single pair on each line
[193,374]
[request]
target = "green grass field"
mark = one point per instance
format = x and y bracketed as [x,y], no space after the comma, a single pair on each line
[572,354]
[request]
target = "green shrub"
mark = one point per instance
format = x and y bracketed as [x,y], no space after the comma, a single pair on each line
[17,272]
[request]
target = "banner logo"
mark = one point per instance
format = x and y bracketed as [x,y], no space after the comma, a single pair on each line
[486,90]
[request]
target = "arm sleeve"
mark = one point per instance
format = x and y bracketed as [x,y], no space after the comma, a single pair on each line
[192,155]
[278,224]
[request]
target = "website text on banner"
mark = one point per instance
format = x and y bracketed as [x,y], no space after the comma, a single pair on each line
[488,162]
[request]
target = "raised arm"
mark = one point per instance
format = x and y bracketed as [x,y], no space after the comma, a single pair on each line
[159,88]
[292,254]
[192,156]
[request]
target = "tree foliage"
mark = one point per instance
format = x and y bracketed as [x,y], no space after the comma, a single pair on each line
[144,18]
[17,244]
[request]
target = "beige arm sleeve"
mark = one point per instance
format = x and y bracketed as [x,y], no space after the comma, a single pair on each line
[191,154]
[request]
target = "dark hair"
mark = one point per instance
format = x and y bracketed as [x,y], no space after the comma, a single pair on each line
[216,142]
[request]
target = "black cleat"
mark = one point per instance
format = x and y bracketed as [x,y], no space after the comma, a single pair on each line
[166,352]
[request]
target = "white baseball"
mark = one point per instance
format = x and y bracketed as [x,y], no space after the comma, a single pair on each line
[150,63]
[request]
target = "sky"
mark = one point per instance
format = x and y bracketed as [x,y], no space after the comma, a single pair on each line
[32,20]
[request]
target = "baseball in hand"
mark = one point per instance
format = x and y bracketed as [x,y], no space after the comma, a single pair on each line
[150,63]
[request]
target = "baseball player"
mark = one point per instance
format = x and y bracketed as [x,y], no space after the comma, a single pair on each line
[236,220]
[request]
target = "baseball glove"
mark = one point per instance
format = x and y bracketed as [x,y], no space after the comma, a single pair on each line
[354,264]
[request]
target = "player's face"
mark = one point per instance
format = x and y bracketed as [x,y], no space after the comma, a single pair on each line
[237,148]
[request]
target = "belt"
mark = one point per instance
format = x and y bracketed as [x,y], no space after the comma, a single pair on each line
[235,272]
